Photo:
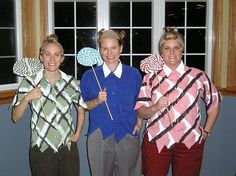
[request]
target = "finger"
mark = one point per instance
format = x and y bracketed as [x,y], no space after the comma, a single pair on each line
[165,98]
[134,131]
[105,89]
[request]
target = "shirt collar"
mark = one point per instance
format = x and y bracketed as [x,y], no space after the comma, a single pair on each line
[179,69]
[117,72]
[39,76]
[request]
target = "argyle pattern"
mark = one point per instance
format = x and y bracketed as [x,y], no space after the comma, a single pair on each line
[52,125]
[184,87]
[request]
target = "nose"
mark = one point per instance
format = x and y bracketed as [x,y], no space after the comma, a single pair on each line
[172,50]
[109,51]
[52,57]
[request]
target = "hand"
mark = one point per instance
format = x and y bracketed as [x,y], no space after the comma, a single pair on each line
[102,96]
[163,102]
[137,129]
[33,94]
[75,138]
[204,134]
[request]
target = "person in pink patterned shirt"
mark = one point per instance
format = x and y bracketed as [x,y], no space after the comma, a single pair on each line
[170,101]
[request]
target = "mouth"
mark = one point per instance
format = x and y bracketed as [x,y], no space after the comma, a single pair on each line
[51,64]
[172,58]
[110,58]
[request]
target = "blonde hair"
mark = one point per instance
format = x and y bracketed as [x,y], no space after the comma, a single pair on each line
[111,34]
[171,33]
[51,39]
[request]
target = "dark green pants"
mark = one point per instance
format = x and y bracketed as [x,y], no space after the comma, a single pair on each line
[49,163]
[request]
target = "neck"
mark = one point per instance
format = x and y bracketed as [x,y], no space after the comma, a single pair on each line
[52,77]
[112,66]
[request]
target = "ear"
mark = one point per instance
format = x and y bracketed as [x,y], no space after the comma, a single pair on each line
[160,54]
[62,58]
[121,48]
[40,57]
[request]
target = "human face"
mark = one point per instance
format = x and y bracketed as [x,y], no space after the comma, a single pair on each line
[171,53]
[52,57]
[110,51]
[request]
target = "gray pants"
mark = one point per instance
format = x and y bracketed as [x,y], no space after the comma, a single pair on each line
[109,158]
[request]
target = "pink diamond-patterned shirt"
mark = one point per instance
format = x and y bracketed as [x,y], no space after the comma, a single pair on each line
[184,87]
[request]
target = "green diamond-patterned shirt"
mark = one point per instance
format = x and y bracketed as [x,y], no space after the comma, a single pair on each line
[51,122]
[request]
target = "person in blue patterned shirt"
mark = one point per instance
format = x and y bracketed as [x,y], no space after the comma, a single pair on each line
[51,94]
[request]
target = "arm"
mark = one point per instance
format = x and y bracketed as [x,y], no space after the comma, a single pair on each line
[148,112]
[210,121]
[80,124]
[102,96]
[213,103]
[19,110]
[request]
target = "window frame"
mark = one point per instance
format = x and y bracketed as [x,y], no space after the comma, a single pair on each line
[18,39]
[7,91]
[209,32]
[213,39]
[26,29]
[217,40]
[158,19]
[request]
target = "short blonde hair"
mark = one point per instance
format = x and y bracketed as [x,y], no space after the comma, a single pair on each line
[170,33]
[51,39]
[111,34]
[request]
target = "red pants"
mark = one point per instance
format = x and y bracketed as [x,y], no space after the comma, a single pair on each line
[185,162]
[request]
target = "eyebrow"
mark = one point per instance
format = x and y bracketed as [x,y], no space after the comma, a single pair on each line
[58,52]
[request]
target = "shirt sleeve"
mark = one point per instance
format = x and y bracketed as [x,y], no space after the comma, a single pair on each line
[76,97]
[139,82]
[22,90]
[73,90]
[211,96]
[85,87]
[144,97]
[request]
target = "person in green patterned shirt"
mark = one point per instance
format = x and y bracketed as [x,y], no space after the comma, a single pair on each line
[51,94]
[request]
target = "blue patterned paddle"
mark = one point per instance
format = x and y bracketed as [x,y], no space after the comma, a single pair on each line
[88,57]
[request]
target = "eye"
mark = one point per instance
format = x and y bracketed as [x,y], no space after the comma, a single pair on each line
[177,48]
[166,48]
[104,49]
[47,54]
[115,48]
[58,54]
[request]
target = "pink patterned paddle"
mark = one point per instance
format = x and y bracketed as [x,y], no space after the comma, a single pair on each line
[152,64]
